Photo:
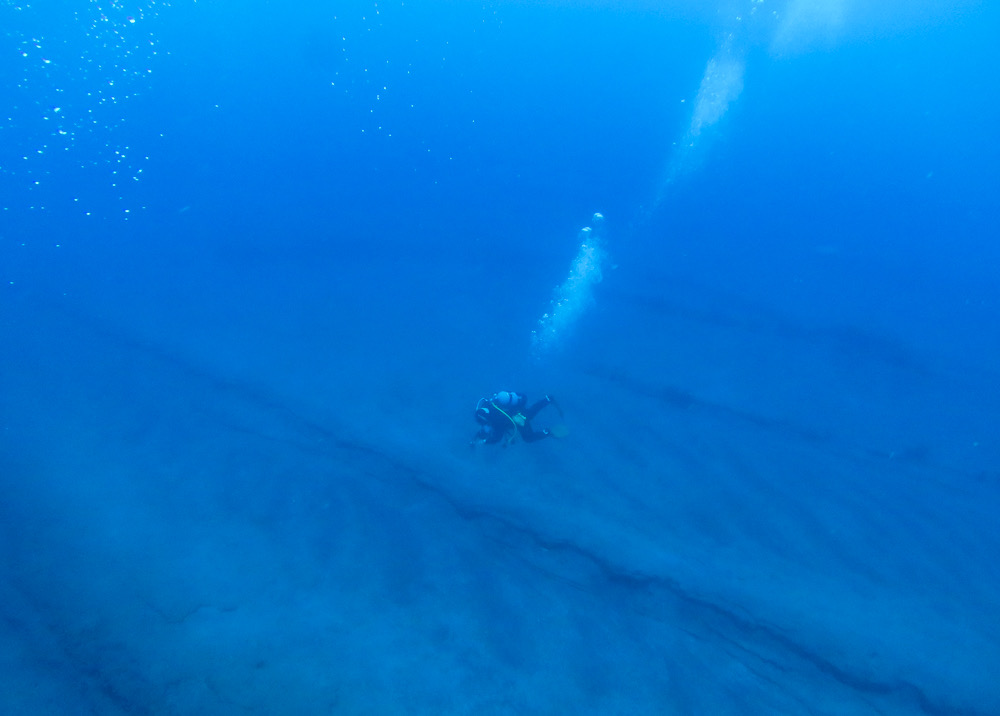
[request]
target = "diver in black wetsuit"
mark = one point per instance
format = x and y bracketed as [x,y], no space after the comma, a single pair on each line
[504,417]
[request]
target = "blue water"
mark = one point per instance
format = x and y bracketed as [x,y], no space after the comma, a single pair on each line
[258,263]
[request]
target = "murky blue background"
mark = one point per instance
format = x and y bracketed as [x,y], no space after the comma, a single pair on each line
[258,263]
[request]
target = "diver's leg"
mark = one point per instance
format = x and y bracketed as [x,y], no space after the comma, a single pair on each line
[533,410]
[530,436]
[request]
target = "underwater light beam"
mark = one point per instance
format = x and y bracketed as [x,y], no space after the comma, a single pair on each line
[574,295]
[720,86]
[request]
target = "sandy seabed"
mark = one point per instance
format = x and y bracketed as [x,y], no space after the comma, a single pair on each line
[247,511]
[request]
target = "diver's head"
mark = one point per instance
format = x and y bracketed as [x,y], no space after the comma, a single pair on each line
[482,415]
[507,400]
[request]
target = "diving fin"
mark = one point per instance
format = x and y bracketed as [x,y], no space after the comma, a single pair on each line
[559,431]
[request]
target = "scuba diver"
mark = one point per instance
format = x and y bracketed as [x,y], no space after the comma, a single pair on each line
[504,417]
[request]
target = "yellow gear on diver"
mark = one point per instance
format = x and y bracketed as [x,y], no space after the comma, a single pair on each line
[517,420]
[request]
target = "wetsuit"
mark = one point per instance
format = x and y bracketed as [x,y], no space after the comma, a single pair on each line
[500,422]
